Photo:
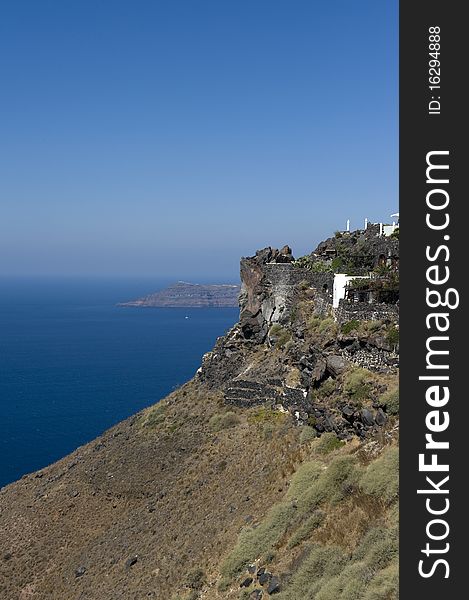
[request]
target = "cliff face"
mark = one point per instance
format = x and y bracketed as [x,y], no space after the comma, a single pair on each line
[272,472]
[289,342]
[265,294]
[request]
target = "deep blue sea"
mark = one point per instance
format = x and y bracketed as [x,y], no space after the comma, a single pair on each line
[72,363]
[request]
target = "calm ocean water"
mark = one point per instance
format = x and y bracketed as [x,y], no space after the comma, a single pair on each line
[72,363]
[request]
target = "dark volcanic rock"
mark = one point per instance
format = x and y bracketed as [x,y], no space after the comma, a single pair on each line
[380,417]
[274,586]
[130,562]
[348,412]
[365,247]
[367,417]
[264,578]
[268,282]
[336,365]
[249,393]
[318,371]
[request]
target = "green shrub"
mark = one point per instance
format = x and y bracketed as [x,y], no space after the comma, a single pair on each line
[304,262]
[385,584]
[307,492]
[321,267]
[327,573]
[356,384]
[254,543]
[349,584]
[390,399]
[373,556]
[155,415]
[221,421]
[377,548]
[328,387]
[322,564]
[314,484]
[322,325]
[224,584]
[307,434]
[327,325]
[264,414]
[268,430]
[340,478]
[393,516]
[381,478]
[337,265]
[312,264]
[350,326]
[279,335]
[195,579]
[313,322]
[393,335]
[306,529]
[304,478]
[372,325]
[328,442]
[192,595]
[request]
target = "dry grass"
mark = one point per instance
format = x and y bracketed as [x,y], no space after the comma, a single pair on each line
[390,399]
[225,420]
[340,534]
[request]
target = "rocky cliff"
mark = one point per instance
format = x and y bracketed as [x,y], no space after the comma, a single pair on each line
[289,342]
[273,472]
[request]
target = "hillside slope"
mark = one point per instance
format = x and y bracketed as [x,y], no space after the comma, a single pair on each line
[272,472]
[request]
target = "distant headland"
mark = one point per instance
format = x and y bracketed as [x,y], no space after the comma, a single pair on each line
[190,295]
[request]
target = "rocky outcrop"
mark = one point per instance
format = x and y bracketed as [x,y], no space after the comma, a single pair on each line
[362,250]
[269,290]
[364,311]
[265,289]
[274,357]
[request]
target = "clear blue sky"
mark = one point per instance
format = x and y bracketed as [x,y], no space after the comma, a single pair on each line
[170,137]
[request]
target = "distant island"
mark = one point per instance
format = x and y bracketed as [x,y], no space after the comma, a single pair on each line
[190,295]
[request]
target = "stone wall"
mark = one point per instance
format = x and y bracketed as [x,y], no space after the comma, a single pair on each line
[269,289]
[363,311]
[284,280]
[270,284]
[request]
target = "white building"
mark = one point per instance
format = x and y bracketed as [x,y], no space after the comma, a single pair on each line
[340,286]
[388,230]
[384,229]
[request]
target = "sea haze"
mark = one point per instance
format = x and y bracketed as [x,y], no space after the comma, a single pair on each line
[72,363]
